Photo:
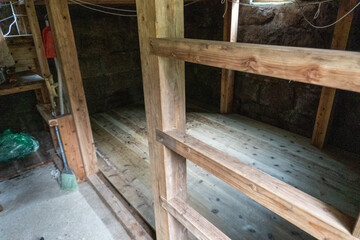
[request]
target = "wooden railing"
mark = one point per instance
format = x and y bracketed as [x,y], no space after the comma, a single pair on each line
[306,212]
[330,68]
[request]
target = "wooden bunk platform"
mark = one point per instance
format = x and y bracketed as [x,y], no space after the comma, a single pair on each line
[328,175]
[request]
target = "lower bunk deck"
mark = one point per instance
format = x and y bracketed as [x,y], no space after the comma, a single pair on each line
[333,177]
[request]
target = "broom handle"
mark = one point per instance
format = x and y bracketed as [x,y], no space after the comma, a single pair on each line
[61,147]
[60,82]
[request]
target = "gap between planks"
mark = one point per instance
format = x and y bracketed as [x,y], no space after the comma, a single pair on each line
[134,229]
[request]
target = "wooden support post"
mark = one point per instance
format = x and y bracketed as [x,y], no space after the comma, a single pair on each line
[339,42]
[42,94]
[164,91]
[36,33]
[60,22]
[230,29]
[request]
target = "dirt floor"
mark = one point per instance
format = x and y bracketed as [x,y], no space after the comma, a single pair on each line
[36,207]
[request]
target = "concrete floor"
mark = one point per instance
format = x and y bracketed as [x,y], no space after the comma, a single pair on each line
[35,207]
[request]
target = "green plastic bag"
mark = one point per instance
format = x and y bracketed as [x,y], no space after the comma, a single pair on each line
[16,145]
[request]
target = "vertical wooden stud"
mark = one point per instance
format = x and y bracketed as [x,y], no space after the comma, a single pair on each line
[42,94]
[36,33]
[339,42]
[60,22]
[164,91]
[230,29]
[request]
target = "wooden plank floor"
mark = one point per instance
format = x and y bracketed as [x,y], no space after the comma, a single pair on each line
[120,139]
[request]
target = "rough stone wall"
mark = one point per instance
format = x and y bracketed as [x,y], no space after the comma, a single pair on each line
[291,105]
[204,20]
[345,130]
[109,57]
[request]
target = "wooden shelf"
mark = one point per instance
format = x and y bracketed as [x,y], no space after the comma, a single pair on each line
[304,211]
[25,81]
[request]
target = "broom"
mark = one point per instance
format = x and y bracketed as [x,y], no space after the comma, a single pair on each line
[68,178]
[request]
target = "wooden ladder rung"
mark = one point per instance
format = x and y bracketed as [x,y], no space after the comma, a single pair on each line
[308,213]
[192,220]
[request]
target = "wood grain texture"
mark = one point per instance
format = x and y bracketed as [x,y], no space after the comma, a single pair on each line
[230,29]
[192,220]
[337,69]
[102,2]
[326,104]
[128,221]
[22,50]
[23,88]
[60,22]
[332,177]
[323,116]
[33,25]
[308,213]
[37,37]
[164,92]
[71,145]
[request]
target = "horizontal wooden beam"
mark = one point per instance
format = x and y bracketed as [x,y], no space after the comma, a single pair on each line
[100,2]
[330,68]
[192,220]
[308,213]
[23,88]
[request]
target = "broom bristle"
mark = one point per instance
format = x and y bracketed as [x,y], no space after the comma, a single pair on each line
[68,182]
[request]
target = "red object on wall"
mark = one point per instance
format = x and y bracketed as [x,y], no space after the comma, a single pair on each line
[48,43]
